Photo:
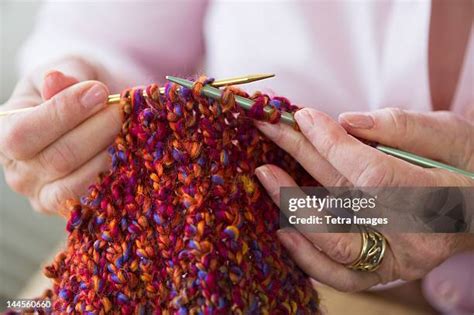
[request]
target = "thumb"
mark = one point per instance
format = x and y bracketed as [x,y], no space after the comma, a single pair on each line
[54,82]
[440,136]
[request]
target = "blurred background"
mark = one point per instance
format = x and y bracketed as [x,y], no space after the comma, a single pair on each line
[27,239]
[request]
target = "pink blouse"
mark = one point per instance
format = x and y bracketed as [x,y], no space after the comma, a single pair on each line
[332,55]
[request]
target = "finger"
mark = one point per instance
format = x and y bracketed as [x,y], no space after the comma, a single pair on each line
[77,146]
[76,67]
[52,196]
[31,86]
[273,178]
[67,154]
[14,179]
[420,133]
[361,164]
[54,82]
[320,267]
[341,247]
[26,134]
[304,152]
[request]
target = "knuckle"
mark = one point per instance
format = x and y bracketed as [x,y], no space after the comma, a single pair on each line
[58,113]
[16,182]
[328,146]
[340,250]
[55,198]
[59,158]
[279,136]
[51,197]
[13,142]
[37,206]
[374,176]
[299,147]
[311,133]
[399,119]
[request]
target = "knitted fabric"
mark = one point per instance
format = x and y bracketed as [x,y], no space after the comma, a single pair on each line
[180,224]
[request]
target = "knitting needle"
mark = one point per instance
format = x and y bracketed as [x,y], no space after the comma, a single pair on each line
[287,118]
[215,93]
[115,98]
[218,83]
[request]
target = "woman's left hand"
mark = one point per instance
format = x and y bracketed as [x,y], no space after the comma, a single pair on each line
[334,157]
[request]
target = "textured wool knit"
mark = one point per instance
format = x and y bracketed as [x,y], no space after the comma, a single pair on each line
[180,223]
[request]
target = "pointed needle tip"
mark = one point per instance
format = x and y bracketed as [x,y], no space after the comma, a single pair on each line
[264,75]
[260,76]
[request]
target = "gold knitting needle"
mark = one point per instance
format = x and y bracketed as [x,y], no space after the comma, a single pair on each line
[115,98]
[288,118]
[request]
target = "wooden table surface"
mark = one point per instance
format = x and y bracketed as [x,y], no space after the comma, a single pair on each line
[388,302]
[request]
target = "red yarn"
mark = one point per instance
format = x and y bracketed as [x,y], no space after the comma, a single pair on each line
[180,224]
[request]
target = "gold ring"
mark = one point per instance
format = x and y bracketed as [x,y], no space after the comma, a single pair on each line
[372,251]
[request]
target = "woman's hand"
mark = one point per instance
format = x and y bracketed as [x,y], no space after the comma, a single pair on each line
[55,151]
[329,152]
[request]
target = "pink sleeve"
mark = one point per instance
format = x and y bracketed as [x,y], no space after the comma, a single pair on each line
[137,43]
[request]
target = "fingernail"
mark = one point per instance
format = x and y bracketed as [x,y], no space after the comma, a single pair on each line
[357,120]
[286,230]
[267,178]
[94,96]
[51,78]
[270,130]
[305,119]
[52,75]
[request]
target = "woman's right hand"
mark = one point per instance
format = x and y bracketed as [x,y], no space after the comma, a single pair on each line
[55,152]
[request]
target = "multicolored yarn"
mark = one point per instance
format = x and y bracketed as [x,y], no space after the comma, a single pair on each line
[180,224]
